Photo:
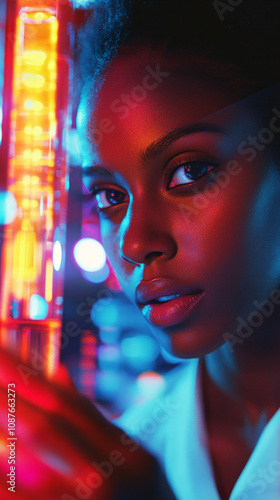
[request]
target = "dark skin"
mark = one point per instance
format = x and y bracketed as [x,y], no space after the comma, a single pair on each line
[228,249]
[156,229]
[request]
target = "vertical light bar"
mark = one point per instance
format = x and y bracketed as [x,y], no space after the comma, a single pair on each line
[49,281]
[2,49]
[31,286]
[87,364]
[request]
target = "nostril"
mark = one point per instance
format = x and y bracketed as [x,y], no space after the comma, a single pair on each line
[153,255]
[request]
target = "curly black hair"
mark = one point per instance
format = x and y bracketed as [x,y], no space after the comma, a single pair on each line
[243,35]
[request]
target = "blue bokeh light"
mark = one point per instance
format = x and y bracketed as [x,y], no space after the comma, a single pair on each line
[8,207]
[141,348]
[97,276]
[82,4]
[38,307]
[105,315]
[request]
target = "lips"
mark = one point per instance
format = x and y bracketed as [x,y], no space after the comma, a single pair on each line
[165,303]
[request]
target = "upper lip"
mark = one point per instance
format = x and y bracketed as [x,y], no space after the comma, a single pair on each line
[147,291]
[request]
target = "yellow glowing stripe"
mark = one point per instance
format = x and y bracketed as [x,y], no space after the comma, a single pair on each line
[24,264]
[18,290]
[51,351]
[49,281]
[33,130]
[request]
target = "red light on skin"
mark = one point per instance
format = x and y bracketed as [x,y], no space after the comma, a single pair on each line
[112,281]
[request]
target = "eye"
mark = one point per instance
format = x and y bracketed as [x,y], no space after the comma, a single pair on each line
[108,198]
[189,171]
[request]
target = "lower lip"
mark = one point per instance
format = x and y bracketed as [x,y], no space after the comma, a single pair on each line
[171,312]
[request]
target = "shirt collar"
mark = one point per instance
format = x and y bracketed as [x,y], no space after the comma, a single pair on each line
[191,473]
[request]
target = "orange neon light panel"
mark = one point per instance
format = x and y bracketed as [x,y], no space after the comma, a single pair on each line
[34,244]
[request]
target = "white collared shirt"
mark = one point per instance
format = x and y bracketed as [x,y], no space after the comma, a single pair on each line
[173,429]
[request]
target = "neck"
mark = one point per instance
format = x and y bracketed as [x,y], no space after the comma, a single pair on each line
[241,393]
[243,381]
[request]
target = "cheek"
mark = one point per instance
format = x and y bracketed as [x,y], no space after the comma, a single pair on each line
[231,241]
[211,243]
[110,235]
[110,240]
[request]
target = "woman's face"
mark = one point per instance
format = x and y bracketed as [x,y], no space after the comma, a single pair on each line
[186,208]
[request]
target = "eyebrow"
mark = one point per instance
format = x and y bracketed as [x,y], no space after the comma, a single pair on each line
[157,147]
[95,170]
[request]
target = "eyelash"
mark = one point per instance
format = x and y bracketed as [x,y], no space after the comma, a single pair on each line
[195,161]
[92,196]
[210,164]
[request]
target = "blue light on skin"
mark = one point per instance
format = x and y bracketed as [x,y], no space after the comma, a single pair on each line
[38,307]
[8,207]
[89,254]
[73,148]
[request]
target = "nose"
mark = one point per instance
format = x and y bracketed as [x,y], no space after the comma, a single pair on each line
[145,236]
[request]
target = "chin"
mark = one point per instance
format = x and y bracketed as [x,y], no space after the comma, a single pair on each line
[186,344]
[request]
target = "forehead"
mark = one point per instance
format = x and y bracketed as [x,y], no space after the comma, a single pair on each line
[144,96]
